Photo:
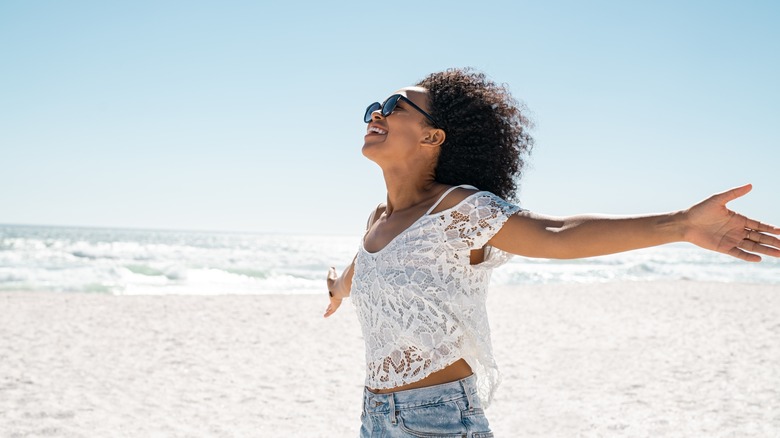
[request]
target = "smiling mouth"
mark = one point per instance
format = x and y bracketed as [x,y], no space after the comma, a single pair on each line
[375,130]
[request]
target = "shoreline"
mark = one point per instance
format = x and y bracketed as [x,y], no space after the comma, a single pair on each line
[614,359]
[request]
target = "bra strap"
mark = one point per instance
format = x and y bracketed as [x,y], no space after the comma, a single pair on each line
[444,195]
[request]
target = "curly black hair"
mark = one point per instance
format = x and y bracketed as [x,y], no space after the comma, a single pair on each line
[487,139]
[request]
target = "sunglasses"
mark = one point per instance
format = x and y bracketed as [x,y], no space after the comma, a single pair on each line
[389,106]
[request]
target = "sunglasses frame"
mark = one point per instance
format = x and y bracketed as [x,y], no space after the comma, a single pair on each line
[395,98]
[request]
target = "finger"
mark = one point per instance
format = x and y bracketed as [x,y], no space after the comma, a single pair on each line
[759,226]
[331,278]
[763,239]
[730,195]
[768,250]
[742,255]
[331,310]
[768,247]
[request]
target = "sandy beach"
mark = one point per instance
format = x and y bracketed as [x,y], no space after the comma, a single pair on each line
[676,359]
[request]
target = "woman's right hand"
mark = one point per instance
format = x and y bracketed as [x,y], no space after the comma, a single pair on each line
[334,301]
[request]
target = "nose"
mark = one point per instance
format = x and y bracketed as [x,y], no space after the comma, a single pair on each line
[377,114]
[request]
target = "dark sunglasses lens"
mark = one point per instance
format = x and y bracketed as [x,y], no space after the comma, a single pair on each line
[371,108]
[389,105]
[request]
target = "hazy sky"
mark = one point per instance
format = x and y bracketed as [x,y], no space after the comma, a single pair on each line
[247,116]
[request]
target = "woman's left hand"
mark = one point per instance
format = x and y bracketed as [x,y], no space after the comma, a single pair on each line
[711,225]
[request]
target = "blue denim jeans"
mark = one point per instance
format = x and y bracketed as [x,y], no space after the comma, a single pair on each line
[450,410]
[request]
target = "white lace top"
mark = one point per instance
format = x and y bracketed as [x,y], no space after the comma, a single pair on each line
[420,302]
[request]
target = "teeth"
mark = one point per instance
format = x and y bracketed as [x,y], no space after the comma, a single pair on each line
[377,130]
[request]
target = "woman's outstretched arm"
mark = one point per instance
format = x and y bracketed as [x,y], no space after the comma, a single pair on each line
[708,224]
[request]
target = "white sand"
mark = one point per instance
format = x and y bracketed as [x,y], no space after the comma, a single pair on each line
[637,359]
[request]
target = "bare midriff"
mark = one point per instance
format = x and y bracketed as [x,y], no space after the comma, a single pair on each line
[456,371]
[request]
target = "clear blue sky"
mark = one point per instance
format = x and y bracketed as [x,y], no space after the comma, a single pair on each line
[247,116]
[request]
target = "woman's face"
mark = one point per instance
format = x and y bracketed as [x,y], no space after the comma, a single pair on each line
[401,134]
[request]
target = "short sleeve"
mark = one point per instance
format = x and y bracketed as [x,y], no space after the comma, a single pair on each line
[473,222]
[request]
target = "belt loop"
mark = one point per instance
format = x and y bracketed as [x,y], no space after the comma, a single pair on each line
[467,389]
[391,402]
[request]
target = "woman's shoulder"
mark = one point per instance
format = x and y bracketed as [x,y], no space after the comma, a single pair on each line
[454,197]
[471,197]
[375,213]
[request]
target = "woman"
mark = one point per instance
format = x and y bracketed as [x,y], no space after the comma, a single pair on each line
[451,150]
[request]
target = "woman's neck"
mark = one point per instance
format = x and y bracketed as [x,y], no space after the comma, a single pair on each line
[408,191]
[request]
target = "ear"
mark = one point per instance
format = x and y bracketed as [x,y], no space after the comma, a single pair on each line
[434,137]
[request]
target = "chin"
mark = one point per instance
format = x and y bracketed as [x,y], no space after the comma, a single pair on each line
[375,153]
[369,150]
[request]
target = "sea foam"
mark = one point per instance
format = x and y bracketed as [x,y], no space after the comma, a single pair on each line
[99,260]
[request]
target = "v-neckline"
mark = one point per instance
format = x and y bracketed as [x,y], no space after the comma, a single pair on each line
[363,240]
[405,230]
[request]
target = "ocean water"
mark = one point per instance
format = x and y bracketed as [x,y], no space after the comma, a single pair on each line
[125,261]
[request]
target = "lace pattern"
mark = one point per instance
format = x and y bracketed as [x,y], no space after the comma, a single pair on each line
[420,302]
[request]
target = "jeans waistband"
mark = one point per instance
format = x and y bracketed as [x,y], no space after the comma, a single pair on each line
[410,398]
